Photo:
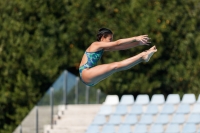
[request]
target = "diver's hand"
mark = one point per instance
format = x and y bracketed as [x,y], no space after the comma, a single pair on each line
[143,39]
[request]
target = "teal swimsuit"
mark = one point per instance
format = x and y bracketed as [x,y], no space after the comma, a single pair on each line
[93,58]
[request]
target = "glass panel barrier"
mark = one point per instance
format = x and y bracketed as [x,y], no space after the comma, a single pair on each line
[92,95]
[67,89]
[58,97]
[28,125]
[58,89]
[44,111]
[102,97]
[89,95]
[54,97]
[71,88]
[81,92]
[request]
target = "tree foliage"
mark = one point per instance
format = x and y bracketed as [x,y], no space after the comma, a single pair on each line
[39,39]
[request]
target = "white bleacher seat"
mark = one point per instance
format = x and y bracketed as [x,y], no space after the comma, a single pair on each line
[99,120]
[152,109]
[105,110]
[136,109]
[196,108]
[156,128]
[174,109]
[172,128]
[194,118]
[108,129]
[158,99]
[140,128]
[178,119]
[146,119]
[162,119]
[167,109]
[127,100]
[130,119]
[188,99]
[124,128]
[93,129]
[189,128]
[121,110]
[142,99]
[115,120]
[183,109]
[173,99]
[111,100]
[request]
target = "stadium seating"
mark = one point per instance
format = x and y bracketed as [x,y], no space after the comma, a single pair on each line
[183,109]
[108,129]
[173,99]
[173,128]
[157,99]
[196,108]
[142,115]
[168,109]
[156,128]
[125,128]
[127,100]
[142,99]
[121,110]
[152,109]
[136,109]
[178,119]
[189,128]
[114,120]
[162,119]
[188,99]
[99,120]
[140,128]
[111,100]
[105,110]
[194,118]
[146,119]
[130,119]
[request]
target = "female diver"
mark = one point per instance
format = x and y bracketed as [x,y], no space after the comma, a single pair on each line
[91,73]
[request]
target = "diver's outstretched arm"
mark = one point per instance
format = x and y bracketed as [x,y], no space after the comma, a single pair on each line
[122,44]
[127,46]
[135,43]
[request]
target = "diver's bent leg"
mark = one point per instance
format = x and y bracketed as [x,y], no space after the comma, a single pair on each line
[100,72]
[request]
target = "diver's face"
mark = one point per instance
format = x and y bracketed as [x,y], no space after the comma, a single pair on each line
[109,38]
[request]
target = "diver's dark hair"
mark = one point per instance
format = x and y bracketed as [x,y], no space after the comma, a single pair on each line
[103,32]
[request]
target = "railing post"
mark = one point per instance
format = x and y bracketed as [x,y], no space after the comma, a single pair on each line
[20,128]
[51,103]
[65,88]
[36,122]
[76,91]
[98,96]
[87,94]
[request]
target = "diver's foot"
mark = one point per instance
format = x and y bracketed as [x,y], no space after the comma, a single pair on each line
[149,53]
[153,48]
